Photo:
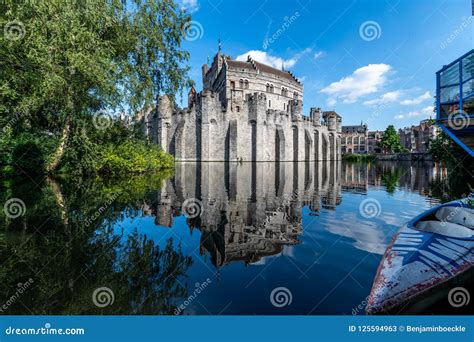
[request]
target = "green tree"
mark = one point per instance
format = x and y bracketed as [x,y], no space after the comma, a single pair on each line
[62,61]
[390,141]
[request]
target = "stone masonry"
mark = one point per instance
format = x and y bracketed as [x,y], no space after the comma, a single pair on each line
[247,111]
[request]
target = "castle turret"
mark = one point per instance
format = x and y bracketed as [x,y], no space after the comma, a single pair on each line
[330,118]
[164,112]
[205,69]
[296,107]
[257,105]
[315,116]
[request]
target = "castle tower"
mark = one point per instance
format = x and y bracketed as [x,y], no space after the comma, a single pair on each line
[164,112]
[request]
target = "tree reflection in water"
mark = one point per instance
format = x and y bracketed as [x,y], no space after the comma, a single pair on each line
[67,260]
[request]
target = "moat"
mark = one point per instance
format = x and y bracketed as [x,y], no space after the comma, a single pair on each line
[210,238]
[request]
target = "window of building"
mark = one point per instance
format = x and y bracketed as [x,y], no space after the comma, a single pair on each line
[246,82]
[269,104]
[271,88]
[295,95]
[284,106]
[232,85]
[237,109]
[241,83]
[268,88]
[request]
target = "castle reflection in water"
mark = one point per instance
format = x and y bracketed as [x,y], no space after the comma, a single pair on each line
[248,211]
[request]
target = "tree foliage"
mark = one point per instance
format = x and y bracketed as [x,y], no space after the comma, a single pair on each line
[390,141]
[62,61]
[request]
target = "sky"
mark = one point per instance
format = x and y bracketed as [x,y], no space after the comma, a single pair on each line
[369,60]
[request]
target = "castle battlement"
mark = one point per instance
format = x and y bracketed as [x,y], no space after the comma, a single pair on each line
[247,111]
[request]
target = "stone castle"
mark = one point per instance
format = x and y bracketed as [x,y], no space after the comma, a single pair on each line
[247,111]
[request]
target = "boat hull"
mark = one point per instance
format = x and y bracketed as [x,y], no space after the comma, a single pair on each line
[415,262]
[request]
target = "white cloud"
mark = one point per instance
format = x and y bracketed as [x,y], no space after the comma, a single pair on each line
[188,5]
[276,62]
[391,96]
[363,81]
[417,100]
[425,112]
[399,117]
[318,55]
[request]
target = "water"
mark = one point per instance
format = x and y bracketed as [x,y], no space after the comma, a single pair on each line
[210,238]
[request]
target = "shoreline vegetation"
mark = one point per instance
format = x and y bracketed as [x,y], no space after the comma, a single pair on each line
[69,68]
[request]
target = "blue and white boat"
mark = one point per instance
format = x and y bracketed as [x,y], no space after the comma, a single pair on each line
[428,251]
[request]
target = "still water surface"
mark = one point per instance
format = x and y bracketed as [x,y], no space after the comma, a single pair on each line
[210,238]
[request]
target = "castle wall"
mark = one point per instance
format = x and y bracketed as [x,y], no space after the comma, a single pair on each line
[209,132]
[229,121]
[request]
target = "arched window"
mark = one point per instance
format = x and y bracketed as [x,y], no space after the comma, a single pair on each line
[271,88]
[268,88]
[241,83]
[269,103]
[284,106]
[246,84]
[295,95]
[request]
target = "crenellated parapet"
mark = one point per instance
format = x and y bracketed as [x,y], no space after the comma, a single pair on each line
[247,111]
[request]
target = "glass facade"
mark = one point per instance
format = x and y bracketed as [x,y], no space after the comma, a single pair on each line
[455,101]
[455,88]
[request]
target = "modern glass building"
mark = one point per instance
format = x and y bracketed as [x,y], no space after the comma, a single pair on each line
[455,100]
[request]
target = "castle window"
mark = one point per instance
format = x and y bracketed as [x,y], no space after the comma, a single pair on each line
[237,108]
[241,84]
[271,88]
[284,106]
[269,103]
[232,85]
[295,95]
[268,88]
[246,84]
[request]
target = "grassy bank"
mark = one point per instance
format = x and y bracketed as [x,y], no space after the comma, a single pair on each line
[359,157]
[118,150]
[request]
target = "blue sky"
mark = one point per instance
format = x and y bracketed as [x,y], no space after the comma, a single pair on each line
[370,60]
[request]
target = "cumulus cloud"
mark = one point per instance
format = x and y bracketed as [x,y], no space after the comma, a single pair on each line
[363,81]
[391,96]
[424,112]
[188,5]
[274,61]
[417,100]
